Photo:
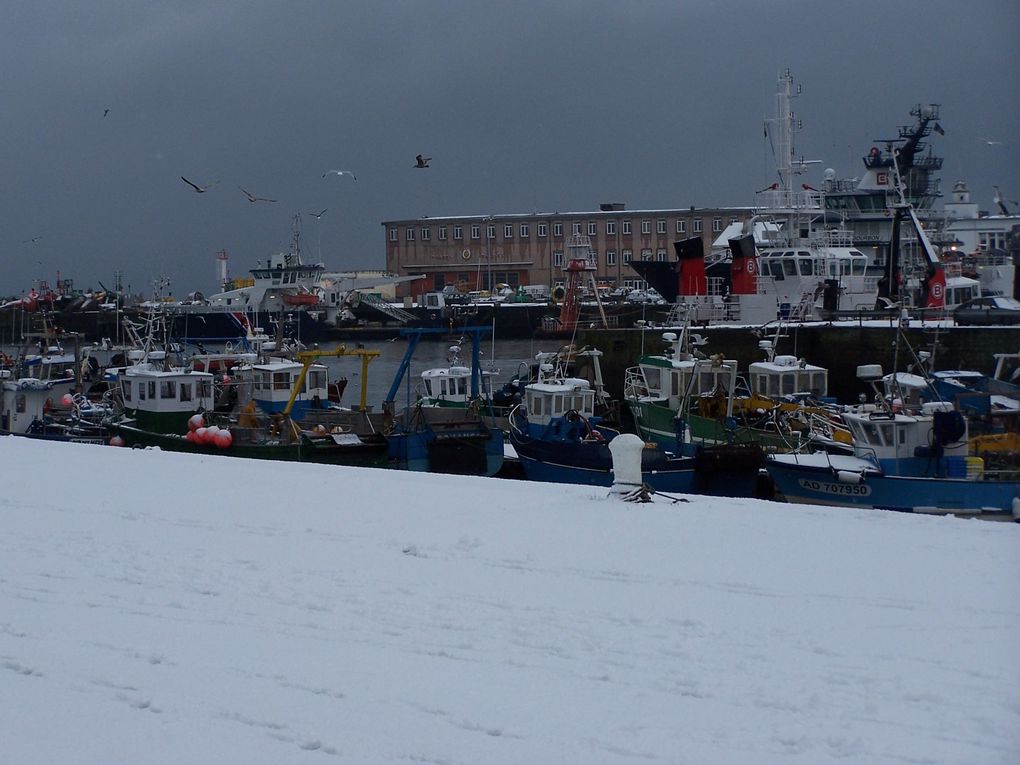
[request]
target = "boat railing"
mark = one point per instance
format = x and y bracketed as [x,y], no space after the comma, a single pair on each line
[789,199]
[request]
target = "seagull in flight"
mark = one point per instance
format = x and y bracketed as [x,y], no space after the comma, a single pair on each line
[990,142]
[253,199]
[105,112]
[340,172]
[199,189]
[318,215]
[33,239]
[421,161]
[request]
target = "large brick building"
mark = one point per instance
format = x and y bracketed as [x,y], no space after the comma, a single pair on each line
[477,252]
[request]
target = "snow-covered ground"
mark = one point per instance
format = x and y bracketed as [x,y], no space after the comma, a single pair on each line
[166,608]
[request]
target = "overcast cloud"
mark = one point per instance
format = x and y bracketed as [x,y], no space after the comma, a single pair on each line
[524,106]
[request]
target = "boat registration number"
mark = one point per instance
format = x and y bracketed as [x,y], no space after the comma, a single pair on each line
[845,489]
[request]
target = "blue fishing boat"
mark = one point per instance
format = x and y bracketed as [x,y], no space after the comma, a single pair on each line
[427,437]
[558,438]
[913,461]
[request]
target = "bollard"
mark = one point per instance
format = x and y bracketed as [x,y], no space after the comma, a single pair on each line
[626,449]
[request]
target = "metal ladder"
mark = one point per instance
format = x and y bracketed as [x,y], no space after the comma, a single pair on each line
[390,310]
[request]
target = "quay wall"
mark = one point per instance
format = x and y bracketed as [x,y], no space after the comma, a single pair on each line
[840,349]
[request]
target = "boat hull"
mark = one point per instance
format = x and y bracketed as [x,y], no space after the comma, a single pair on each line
[591,464]
[819,484]
[358,451]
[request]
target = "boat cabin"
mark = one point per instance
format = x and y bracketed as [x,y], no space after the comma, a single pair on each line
[788,376]
[162,400]
[270,384]
[678,373]
[546,401]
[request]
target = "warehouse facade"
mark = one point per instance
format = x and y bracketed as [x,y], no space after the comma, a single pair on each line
[481,251]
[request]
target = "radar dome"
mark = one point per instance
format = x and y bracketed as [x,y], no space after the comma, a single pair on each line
[830,174]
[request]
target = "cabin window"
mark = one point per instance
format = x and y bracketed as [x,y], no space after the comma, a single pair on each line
[168,389]
[316,378]
[776,269]
[185,391]
[788,384]
[676,379]
[805,266]
[557,404]
[152,389]
[141,391]
[281,380]
[887,434]
[203,388]
[19,403]
[125,386]
[653,381]
[789,266]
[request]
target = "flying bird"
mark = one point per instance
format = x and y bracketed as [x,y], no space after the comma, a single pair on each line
[990,142]
[105,112]
[33,239]
[422,161]
[340,172]
[318,214]
[199,189]
[252,198]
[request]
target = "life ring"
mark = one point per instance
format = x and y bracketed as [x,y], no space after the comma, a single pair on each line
[559,293]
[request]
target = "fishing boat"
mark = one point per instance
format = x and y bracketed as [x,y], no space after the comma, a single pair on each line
[428,437]
[908,461]
[559,438]
[683,394]
[168,407]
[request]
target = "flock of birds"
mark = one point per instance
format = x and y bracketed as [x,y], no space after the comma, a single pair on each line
[420,162]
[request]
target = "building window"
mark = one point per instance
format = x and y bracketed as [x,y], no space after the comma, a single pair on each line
[476,231]
[627,255]
[660,227]
[610,257]
[524,231]
[557,257]
[557,229]
[716,225]
[410,234]
[646,253]
[681,226]
[697,225]
[610,227]
[576,229]
[543,229]
[626,227]
[426,233]
[393,235]
[593,229]
[646,227]
[508,230]
[593,257]
[660,255]
[458,232]
[442,233]
[490,231]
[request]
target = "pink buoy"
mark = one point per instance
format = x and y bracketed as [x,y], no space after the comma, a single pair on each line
[116,441]
[196,421]
[224,439]
[67,399]
[226,379]
[200,435]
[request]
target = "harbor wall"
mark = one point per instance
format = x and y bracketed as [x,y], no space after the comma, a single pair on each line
[840,349]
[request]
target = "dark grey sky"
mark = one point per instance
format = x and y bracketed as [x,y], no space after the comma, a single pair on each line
[524,106]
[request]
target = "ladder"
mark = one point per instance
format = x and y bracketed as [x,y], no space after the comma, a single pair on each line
[394,312]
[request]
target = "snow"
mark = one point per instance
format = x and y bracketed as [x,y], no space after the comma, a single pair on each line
[169,608]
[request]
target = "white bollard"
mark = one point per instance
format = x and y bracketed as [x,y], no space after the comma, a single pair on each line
[626,449]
